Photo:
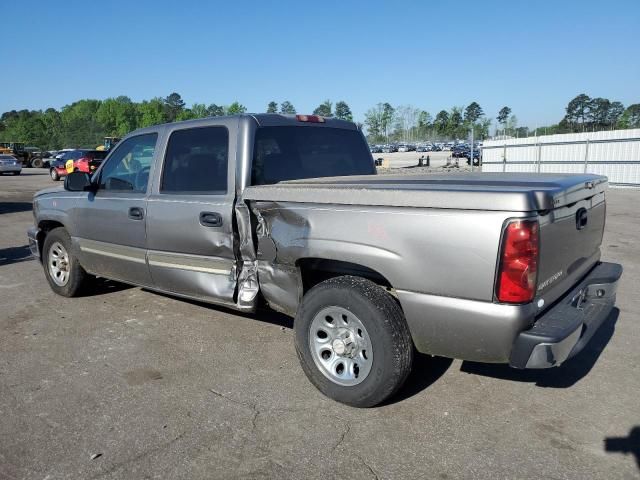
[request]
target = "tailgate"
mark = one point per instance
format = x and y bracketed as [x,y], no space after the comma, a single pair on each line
[570,238]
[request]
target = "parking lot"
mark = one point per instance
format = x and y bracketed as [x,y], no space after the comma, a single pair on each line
[407,159]
[126,383]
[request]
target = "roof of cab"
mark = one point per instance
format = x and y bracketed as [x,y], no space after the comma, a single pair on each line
[262,119]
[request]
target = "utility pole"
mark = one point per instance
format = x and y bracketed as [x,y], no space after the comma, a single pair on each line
[472,148]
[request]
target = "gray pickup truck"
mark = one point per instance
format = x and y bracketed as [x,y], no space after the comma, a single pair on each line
[288,210]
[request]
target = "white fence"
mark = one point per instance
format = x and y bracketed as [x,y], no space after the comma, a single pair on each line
[615,154]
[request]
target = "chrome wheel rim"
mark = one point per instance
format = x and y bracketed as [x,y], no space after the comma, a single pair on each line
[53,174]
[59,270]
[340,346]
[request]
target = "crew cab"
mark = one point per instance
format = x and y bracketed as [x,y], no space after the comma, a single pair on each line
[80,160]
[288,210]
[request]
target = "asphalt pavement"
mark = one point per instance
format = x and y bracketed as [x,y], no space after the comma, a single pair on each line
[124,383]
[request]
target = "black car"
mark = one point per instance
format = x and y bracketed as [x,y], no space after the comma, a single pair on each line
[459,151]
[477,156]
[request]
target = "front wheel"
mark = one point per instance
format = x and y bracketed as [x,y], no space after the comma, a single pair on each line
[353,341]
[62,269]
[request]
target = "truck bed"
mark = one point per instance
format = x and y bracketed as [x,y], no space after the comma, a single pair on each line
[515,192]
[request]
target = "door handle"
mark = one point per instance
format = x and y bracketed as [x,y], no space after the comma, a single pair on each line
[210,219]
[136,213]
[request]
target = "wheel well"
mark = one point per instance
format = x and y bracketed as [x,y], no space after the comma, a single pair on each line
[45,227]
[316,270]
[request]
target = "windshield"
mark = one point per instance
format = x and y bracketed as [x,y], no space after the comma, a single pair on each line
[290,153]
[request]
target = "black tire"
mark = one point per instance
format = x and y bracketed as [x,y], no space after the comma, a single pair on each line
[77,275]
[386,326]
[54,174]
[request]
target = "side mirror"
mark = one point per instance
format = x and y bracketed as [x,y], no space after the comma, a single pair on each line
[77,182]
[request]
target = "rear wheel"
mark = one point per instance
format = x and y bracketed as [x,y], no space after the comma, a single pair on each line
[353,342]
[62,269]
[54,175]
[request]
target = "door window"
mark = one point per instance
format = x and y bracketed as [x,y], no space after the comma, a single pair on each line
[128,167]
[196,161]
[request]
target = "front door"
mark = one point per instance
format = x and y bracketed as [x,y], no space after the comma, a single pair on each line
[189,220]
[110,223]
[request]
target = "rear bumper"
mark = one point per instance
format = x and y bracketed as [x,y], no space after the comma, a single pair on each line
[10,168]
[566,328]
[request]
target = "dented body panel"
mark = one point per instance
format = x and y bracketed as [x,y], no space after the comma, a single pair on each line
[399,243]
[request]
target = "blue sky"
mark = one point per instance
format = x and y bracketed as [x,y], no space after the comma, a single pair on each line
[531,56]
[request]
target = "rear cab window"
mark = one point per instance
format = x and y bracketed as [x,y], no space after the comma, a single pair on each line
[293,152]
[196,162]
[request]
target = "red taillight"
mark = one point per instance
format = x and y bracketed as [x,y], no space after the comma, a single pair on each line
[310,118]
[519,262]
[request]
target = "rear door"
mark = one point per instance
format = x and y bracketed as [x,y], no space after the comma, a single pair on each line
[189,222]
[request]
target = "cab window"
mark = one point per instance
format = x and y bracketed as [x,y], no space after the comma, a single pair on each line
[127,169]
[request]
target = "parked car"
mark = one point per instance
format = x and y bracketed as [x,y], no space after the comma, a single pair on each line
[403,147]
[10,164]
[48,157]
[500,268]
[376,149]
[423,148]
[389,148]
[477,156]
[76,161]
[459,151]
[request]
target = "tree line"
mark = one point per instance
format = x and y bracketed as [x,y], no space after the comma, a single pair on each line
[586,114]
[86,122]
[386,123]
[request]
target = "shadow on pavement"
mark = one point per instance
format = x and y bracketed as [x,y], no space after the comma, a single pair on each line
[627,445]
[426,371]
[564,376]
[102,286]
[262,314]
[13,207]
[15,255]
